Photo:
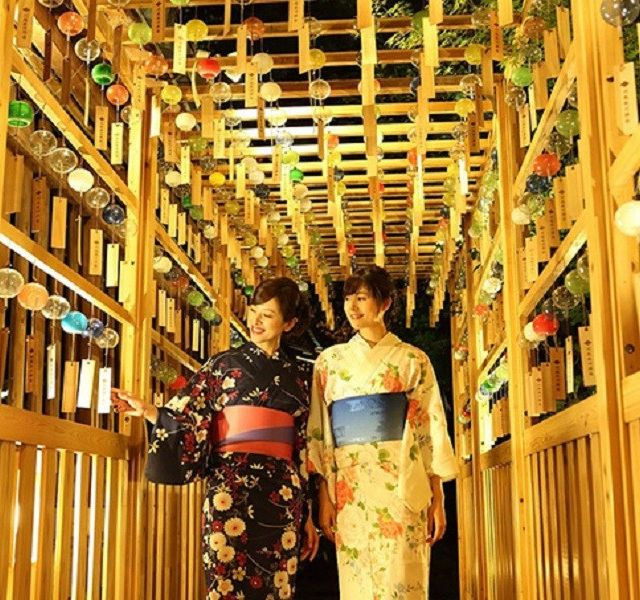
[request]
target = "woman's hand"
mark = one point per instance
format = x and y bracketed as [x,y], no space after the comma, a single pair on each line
[436,520]
[326,512]
[311,541]
[128,404]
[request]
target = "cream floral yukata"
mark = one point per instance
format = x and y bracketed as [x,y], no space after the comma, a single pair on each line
[381,490]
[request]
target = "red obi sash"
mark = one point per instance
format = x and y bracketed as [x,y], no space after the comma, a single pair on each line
[254,429]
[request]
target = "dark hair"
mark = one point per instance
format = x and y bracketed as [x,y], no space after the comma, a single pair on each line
[292,303]
[377,281]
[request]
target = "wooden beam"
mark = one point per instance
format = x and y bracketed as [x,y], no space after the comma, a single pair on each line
[28,427]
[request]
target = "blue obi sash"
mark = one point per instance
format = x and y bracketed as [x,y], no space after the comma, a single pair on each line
[367,419]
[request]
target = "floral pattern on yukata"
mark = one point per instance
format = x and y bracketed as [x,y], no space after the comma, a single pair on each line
[381,490]
[253,509]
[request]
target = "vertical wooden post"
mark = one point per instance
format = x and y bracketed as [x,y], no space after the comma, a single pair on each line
[606,327]
[507,137]
[6,40]
[478,488]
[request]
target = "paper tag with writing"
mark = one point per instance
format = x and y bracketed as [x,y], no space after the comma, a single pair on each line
[241,48]
[101,132]
[548,400]
[30,365]
[251,86]
[560,199]
[170,141]
[531,259]
[39,202]
[550,211]
[185,163]
[524,126]
[537,382]
[25,23]
[157,20]
[85,384]
[296,15]
[557,358]
[104,390]
[171,315]
[586,356]
[304,59]
[568,359]
[155,122]
[551,55]
[95,251]
[497,40]
[219,137]
[52,353]
[276,168]
[117,141]
[179,49]
[113,265]
[625,83]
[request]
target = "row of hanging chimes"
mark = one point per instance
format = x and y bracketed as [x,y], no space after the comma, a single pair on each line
[551,377]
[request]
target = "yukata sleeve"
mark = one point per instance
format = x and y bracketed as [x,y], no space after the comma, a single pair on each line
[320,446]
[440,457]
[179,442]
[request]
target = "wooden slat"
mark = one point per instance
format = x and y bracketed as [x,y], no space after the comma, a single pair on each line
[24,534]
[575,422]
[563,519]
[98,466]
[42,573]
[9,458]
[81,522]
[27,427]
[594,464]
[586,516]
[634,455]
[64,517]
[575,523]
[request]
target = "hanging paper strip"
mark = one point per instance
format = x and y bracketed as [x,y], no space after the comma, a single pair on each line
[138,86]
[182,228]
[219,137]
[276,165]
[206,112]
[626,96]
[95,251]
[321,140]
[232,164]
[261,120]
[564,30]
[172,225]
[117,49]
[185,163]
[104,390]
[179,49]
[65,94]
[196,185]
[241,48]
[497,39]
[157,20]
[70,386]
[368,45]
[551,53]
[240,180]
[194,84]
[39,200]
[113,264]
[101,134]
[85,384]
[430,43]
[52,382]
[134,168]
[58,237]
[117,143]
[156,117]
[25,23]
[303,48]
[170,141]
[296,15]
[251,86]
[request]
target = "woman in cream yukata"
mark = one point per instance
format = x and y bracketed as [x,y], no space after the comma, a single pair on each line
[381,499]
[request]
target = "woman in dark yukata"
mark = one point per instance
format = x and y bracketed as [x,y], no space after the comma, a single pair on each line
[241,423]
